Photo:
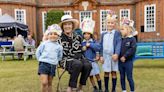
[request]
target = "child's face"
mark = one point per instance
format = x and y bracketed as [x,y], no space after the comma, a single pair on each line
[125,31]
[87,36]
[53,36]
[111,24]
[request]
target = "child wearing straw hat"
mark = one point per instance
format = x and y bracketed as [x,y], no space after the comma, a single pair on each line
[48,54]
[128,48]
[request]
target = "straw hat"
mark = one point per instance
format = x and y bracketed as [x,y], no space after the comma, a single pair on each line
[68,18]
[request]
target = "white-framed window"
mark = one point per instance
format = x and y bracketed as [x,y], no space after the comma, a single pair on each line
[20,15]
[0,12]
[84,14]
[44,16]
[103,14]
[125,13]
[67,12]
[150,18]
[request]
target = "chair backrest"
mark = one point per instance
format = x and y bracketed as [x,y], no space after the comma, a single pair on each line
[5,43]
[150,50]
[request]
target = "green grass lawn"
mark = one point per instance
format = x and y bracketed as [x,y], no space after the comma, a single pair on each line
[20,76]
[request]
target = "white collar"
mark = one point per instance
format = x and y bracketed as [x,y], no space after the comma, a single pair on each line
[128,36]
[90,40]
[111,31]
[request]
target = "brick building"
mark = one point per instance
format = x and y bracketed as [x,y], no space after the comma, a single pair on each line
[147,14]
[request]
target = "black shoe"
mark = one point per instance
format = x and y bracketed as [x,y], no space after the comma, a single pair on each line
[106,90]
[100,90]
[95,90]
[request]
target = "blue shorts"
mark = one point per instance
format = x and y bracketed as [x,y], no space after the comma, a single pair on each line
[46,68]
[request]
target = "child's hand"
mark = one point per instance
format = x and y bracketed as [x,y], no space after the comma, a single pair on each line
[123,59]
[115,57]
[84,48]
[101,60]
[97,57]
[87,44]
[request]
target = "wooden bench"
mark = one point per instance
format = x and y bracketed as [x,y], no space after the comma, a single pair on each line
[150,50]
[29,50]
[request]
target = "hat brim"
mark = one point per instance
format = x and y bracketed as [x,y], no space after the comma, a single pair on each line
[74,21]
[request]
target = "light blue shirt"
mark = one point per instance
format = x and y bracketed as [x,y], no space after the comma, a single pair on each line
[49,52]
[108,42]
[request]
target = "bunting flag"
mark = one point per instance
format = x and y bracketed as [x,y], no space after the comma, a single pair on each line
[8,28]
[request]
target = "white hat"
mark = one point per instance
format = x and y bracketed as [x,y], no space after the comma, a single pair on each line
[88,25]
[54,28]
[68,18]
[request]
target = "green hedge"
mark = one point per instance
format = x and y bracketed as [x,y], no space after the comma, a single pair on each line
[54,17]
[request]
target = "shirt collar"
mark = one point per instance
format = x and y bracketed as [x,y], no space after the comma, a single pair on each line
[111,32]
[128,36]
[52,41]
[90,40]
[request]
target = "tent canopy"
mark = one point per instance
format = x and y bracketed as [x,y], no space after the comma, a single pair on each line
[10,27]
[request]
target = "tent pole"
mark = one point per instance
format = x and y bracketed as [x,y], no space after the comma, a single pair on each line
[16,32]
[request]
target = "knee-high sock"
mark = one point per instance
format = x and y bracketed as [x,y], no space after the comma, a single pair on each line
[114,82]
[106,81]
[99,84]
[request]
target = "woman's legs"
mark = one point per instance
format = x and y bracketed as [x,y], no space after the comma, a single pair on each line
[74,69]
[85,72]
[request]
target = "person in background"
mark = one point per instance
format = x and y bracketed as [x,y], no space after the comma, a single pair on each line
[31,42]
[19,44]
[78,31]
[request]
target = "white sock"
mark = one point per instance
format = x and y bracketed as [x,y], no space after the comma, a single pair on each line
[124,91]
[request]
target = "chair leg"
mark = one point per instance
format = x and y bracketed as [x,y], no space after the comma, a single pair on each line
[3,58]
[13,57]
[25,57]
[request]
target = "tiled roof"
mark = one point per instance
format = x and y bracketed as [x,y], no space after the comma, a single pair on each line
[68,2]
[26,2]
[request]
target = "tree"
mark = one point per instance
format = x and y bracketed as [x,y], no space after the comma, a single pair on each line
[54,17]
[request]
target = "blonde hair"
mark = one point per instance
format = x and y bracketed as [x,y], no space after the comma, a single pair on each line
[129,28]
[111,18]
